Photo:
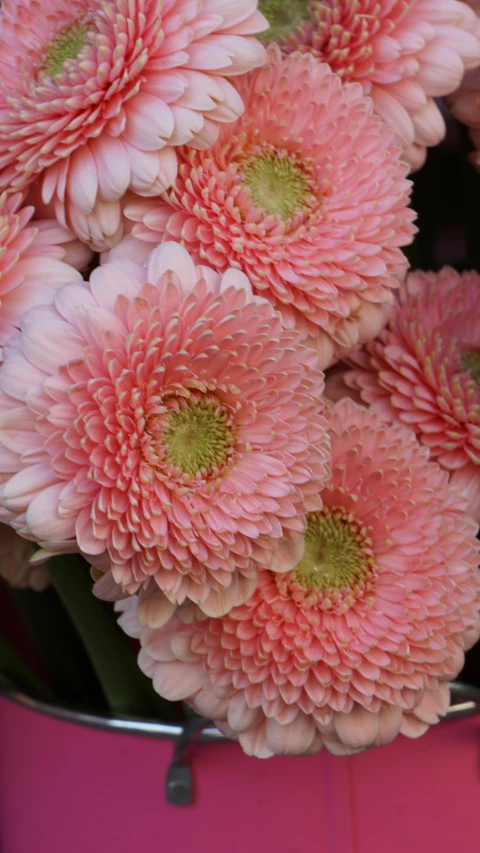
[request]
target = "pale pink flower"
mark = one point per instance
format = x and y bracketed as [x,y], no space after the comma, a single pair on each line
[305,193]
[465,106]
[424,371]
[32,261]
[354,642]
[93,95]
[162,418]
[404,53]
[75,252]
[15,566]
[465,102]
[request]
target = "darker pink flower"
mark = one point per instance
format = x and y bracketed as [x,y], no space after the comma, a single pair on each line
[93,95]
[163,422]
[404,53]
[424,371]
[355,639]
[32,261]
[305,193]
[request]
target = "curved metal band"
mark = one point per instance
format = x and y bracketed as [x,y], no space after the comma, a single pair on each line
[127,725]
[468,703]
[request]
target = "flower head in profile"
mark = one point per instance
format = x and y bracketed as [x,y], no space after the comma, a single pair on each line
[355,639]
[35,259]
[162,420]
[93,95]
[15,566]
[404,53]
[305,194]
[424,371]
[464,102]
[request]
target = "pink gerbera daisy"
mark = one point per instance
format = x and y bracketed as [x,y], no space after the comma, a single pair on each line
[162,417]
[404,53]
[305,193]
[465,102]
[354,642]
[15,566]
[94,93]
[32,261]
[424,370]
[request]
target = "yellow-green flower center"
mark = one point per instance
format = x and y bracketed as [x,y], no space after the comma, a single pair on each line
[277,184]
[283,17]
[338,553]
[197,437]
[471,361]
[67,45]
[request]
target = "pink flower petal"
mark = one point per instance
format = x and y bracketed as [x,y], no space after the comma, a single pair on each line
[291,739]
[176,681]
[358,729]
[171,257]
[288,554]
[154,610]
[43,515]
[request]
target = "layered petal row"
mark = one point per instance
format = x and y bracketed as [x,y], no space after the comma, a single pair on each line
[35,259]
[305,193]
[161,421]
[424,371]
[404,53]
[93,95]
[355,640]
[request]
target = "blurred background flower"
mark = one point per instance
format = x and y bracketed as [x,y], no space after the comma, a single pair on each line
[424,371]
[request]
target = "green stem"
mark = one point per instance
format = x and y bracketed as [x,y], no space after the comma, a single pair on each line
[127,690]
[60,648]
[15,672]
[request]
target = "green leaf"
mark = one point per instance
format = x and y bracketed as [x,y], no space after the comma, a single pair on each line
[127,690]
[62,653]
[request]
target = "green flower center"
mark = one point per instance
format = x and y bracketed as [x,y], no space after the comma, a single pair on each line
[338,553]
[67,45]
[283,17]
[471,361]
[197,437]
[277,184]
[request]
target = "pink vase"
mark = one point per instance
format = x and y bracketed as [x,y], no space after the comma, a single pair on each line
[65,788]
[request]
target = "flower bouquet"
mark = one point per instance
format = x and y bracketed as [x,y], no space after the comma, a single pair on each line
[240,388]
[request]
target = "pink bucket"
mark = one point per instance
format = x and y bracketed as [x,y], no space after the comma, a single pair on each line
[66,788]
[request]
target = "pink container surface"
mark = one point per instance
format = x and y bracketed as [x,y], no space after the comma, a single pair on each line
[65,788]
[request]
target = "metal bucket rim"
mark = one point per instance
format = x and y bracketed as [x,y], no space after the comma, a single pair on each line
[106,722]
[150,728]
